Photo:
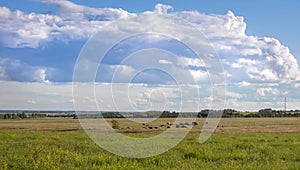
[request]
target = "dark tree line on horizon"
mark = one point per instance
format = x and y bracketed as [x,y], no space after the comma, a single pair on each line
[227,113]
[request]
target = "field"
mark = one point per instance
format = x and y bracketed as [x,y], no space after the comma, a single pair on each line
[263,143]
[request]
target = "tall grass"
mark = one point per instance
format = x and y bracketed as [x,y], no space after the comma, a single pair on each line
[74,150]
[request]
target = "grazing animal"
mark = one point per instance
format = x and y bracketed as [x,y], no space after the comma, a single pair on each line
[194,123]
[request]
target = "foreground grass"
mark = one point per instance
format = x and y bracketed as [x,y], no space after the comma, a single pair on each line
[25,149]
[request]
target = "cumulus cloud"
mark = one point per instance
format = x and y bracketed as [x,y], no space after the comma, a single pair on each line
[274,63]
[15,70]
[217,26]
[162,61]
[26,30]
[162,9]
[263,59]
[249,58]
[19,29]
[40,75]
[243,83]
[199,76]
[251,63]
[195,62]
[267,90]
[73,11]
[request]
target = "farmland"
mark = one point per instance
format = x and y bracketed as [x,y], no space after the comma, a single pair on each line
[238,143]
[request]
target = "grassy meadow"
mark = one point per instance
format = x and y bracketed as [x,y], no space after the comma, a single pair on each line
[268,143]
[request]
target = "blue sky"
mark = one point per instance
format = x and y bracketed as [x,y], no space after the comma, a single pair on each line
[257,42]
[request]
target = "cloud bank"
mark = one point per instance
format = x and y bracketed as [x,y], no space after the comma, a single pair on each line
[257,68]
[258,58]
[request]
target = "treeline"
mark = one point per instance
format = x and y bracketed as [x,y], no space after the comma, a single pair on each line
[230,113]
[24,115]
[226,113]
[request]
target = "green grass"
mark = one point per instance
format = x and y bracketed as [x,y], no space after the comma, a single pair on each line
[27,149]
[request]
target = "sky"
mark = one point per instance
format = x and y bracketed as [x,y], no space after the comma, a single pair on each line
[44,48]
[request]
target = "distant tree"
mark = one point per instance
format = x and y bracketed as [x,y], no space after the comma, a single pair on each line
[75,116]
[231,113]
[203,113]
[266,112]
[9,116]
[167,114]
[14,116]
[253,114]
[23,115]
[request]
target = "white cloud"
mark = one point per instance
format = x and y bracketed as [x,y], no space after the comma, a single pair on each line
[31,101]
[249,61]
[297,85]
[234,95]
[199,76]
[26,30]
[122,70]
[15,70]
[74,22]
[243,83]
[3,75]
[244,63]
[56,96]
[161,61]
[35,95]
[187,61]
[107,96]
[75,11]
[268,75]
[268,90]
[216,26]
[162,9]
[263,58]
[40,75]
